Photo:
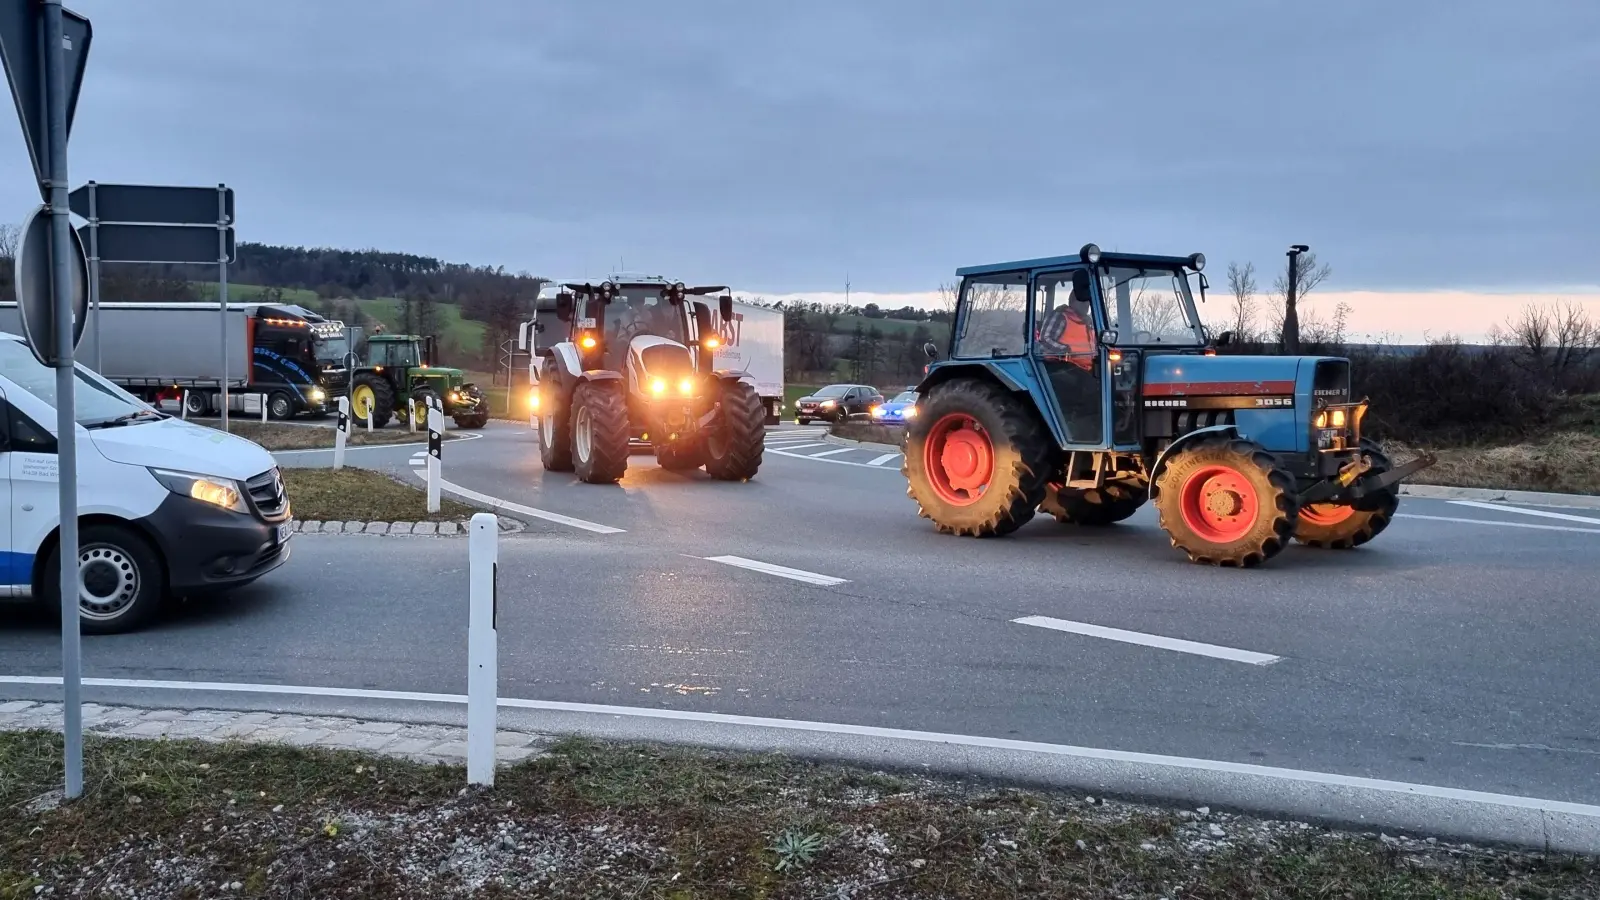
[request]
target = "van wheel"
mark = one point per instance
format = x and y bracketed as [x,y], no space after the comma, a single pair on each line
[120,580]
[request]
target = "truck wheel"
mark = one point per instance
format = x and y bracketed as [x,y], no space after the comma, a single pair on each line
[976,460]
[1092,506]
[280,405]
[739,436]
[1341,526]
[1225,502]
[555,432]
[197,403]
[120,580]
[371,394]
[599,432]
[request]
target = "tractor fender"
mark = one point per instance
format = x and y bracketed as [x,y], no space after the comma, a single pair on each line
[730,375]
[938,373]
[1180,443]
[565,357]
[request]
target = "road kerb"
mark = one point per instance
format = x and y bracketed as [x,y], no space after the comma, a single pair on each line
[1532,498]
[448,528]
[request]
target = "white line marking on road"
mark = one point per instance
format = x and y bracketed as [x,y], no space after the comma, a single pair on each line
[508,506]
[1151,640]
[395,446]
[1500,524]
[782,446]
[1513,801]
[835,462]
[780,571]
[880,460]
[829,453]
[1565,517]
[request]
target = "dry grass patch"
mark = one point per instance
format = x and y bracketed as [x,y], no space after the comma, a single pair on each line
[1568,462]
[362,495]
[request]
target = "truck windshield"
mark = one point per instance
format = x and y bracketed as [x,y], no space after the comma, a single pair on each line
[1150,306]
[96,401]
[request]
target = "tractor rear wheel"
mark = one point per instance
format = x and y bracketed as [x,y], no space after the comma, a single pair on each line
[1226,502]
[555,428]
[1093,507]
[739,435]
[976,460]
[1343,526]
[371,395]
[599,432]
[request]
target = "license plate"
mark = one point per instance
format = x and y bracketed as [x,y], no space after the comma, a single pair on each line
[285,530]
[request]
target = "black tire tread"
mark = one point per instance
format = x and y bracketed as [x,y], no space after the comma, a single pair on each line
[1267,542]
[1023,487]
[1093,507]
[744,420]
[382,399]
[555,449]
[608,439]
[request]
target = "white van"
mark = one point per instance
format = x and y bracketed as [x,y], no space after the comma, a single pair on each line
[166,507]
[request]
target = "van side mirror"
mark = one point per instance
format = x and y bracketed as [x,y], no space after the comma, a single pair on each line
[931,350]
[564,306]
[725,307]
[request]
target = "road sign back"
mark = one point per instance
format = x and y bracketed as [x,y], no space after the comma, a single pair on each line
[21,38]
[35,297]
[153,204]
[173,244]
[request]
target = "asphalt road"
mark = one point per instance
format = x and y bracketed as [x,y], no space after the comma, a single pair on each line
[1456,650]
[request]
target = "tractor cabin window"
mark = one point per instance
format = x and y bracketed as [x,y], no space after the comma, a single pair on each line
[1150,307]
[994,312]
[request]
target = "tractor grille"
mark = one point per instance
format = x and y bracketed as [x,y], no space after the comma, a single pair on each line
[1330,382]
[267,495]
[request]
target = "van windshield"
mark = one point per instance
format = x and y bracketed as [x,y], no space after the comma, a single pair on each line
[96,402]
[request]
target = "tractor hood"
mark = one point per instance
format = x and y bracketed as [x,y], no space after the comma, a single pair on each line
[439,371]
[1185,375]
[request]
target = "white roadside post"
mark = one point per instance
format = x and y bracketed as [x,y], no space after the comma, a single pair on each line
[483,652]
[341,433]
[435,451]
[184,412]
[411,415]
[263,408]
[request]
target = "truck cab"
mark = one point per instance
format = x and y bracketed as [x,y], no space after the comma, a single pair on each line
[166,507]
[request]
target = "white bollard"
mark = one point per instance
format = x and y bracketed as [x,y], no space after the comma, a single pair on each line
[411,416]
[483,652]
[263,408]
[183,412]
[341,433]
[369,420]
[435,453]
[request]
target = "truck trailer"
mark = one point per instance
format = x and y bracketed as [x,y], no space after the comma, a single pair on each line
[752,343]
[285,353]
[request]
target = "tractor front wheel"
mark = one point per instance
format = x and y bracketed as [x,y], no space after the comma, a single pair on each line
[599,432]
[1226,502]
[738,436]
[371,396]
[1341,526]
[1093,507]
[472,420]
[976,460]
[555,428]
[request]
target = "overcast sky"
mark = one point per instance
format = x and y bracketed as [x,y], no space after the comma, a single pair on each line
[1417,145]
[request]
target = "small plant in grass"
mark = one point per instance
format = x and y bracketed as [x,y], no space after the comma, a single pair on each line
[795,848]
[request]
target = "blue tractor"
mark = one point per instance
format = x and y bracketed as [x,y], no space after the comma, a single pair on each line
[1084,386]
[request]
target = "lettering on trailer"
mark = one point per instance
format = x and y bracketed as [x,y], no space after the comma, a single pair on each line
[729,330]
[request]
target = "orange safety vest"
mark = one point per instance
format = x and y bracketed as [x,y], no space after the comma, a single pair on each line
[1078,338]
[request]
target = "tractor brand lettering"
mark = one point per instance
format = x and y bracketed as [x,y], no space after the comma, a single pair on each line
[1219,388]
[1330,392]
[1234,401]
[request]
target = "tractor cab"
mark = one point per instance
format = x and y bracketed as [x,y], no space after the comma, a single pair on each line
[1083,386]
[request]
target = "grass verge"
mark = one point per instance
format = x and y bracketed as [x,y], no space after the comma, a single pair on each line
[182,819]
[1568,462]
[311,437]
[361,495]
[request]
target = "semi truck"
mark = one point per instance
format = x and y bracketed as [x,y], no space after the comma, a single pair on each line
[296,359]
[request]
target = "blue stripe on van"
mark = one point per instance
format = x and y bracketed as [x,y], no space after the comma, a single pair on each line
[16,568]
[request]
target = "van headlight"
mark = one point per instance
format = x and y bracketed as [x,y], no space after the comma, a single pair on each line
[219,492]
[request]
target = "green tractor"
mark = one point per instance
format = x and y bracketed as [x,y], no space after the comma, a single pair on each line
[400,367]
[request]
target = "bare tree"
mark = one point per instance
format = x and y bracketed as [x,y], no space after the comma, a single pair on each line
[1554,338]
[1242,284]
[948,295]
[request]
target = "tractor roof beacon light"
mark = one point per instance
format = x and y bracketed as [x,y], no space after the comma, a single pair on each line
[1090,254]
[1197,261]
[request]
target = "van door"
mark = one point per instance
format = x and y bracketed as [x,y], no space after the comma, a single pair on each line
[28,470]
[9,576]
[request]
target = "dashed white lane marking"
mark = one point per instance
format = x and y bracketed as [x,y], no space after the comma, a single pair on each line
[1523,511]
[508,506]
[1498,523]
[1150,640]
[1288,776]
[780,571]
[834,452]
[880,460]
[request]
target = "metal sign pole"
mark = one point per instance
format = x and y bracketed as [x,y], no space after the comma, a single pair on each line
[66,420]
[222,292]
[94,273]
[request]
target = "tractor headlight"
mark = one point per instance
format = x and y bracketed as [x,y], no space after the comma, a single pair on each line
[1331,418]
[713,343]
[533,400]
[220,492]
[686,386]
[658,386]
[455,396]
[587,342]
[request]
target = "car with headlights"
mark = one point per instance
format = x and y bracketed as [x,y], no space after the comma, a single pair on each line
[836,403]
[166,507]
[896,411]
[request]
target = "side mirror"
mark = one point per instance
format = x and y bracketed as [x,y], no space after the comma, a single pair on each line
[1224,339]
[725,307]
[1108,337]
[931,350]
[1205,285]
[704,327]
[564,306]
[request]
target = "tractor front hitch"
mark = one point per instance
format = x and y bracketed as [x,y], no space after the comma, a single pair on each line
[1353,484]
